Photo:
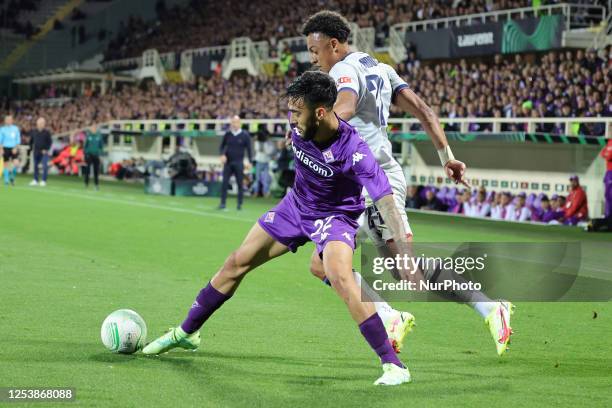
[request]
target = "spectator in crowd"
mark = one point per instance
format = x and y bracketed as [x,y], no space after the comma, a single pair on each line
[555,85]
[458,208]
[500,210]
[468,207]
[454,89]
[412,198]
[94,146]
[544,213]
[562,200]
[212,98]
[555,215]
[41,142]
[432,203]
[198,24]
[287,60]
[576,208]
[495,203]
[518,211]
[235,143]
[481,208]
[606,153]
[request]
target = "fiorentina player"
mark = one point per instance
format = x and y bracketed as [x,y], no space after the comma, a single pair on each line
[333,165]
[366,88]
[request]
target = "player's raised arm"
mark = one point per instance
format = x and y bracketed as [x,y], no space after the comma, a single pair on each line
[408,101]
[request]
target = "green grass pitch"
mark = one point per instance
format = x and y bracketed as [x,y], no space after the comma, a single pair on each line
[70,256]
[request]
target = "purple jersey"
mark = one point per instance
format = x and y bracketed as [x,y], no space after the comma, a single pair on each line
[326,200]
[330,179]
[550,215]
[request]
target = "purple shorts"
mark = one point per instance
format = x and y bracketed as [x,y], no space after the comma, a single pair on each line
[287,225]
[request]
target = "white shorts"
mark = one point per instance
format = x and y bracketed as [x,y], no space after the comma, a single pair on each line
[371,222]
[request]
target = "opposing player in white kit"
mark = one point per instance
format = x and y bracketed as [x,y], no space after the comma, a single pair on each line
[366,89]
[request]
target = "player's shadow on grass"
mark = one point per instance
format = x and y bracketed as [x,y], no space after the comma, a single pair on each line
[283,359]
[218,362]
[216,376]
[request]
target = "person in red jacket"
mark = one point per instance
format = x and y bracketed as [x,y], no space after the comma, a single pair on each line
[606,153]
[576,208]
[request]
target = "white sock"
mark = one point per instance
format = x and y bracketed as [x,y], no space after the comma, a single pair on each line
[484,308]
[384,310]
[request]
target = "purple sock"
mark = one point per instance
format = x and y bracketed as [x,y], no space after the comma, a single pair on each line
[374,332]
[209,299]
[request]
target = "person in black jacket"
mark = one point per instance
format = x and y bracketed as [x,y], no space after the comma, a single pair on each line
[41,142]
[235,142]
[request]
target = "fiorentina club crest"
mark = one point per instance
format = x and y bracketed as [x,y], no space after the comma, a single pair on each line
[269,217]
[328,156]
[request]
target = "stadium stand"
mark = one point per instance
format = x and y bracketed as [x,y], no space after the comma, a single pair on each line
[199,25]
[251,96]
[560,84]
[14,16]
[487,93]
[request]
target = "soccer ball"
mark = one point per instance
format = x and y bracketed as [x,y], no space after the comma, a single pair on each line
[124,331]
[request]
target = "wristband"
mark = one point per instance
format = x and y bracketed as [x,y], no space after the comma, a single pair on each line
[446,155]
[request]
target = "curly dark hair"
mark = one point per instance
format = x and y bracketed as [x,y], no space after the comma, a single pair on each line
[327,22]
[316,88]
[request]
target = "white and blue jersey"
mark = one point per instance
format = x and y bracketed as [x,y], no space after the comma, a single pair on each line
[375,85]
[10,136]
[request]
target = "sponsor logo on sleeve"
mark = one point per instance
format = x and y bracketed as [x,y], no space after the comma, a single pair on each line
[357,157]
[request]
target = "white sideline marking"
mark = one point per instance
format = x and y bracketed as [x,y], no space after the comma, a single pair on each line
[134,203]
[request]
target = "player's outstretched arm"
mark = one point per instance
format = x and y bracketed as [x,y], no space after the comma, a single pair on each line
[410,102]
